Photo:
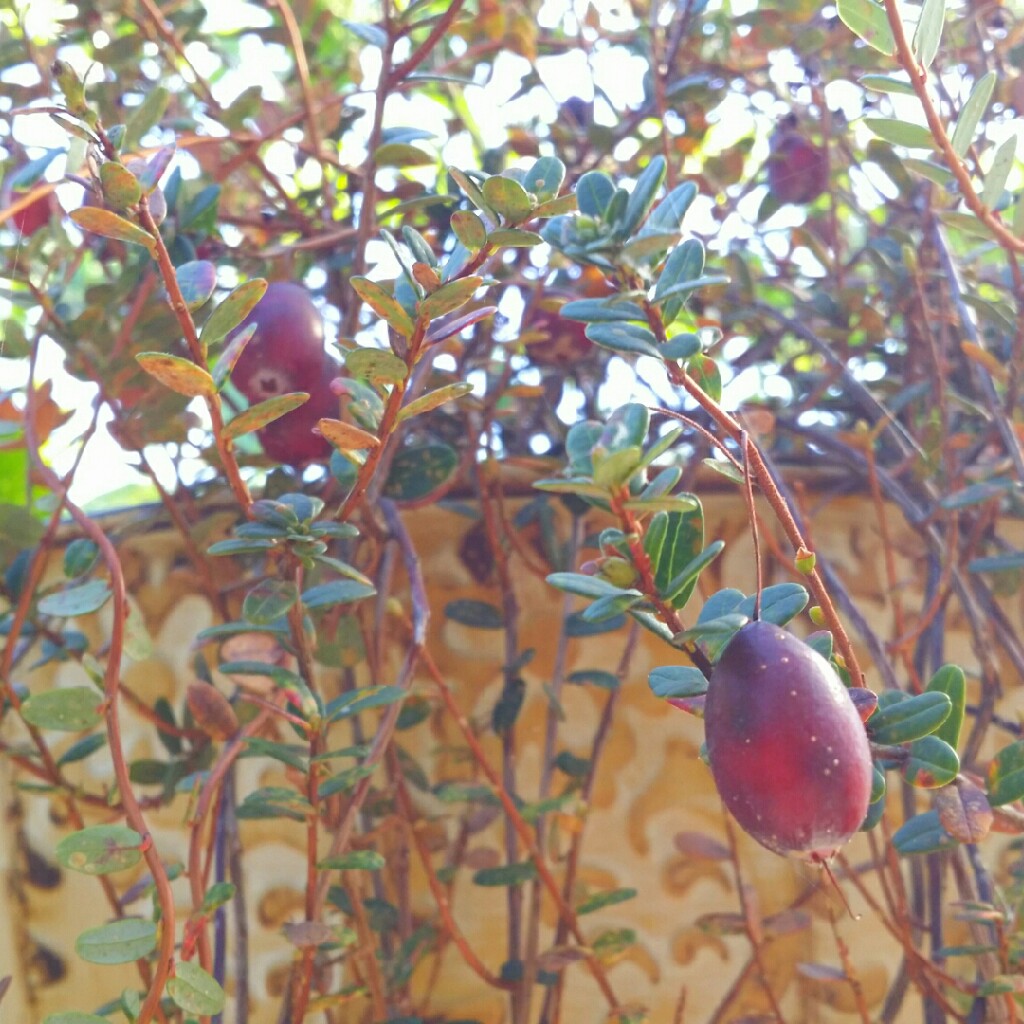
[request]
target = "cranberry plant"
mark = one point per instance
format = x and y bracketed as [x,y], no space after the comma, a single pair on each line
[480,312]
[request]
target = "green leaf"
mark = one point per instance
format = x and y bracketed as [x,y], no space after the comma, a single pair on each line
[232,311]
[178,373]
[594,677]
[256,417]
[684,542]
[197,281]
[472,190]
[642,197]
[83,748]
[448,297]
[434,399]
[997,563]
[69,709]
[594,192]
[885,83]
[545,177]
[194,990]
[216,896]
[556,207]
[74,1017]
[469,229]
[418,471]
[119,942]
[586,586]
[678,590]
[780,603]
[81,600]
[145,116]
[239,546]
[286,753]
[910,719]
[100,850]
[1002,164]
[601,310]
[354,860]
[932,763]
[384,305]
[121,188]
[508,198]
[977,494]
[715,633]
[328,595]
[950,680]
[868,20]
[971,113]
[622,337]
[514,238]
[677,681]
[682,346]
[928,33]
[282,677]
[610,607]
[507,874]
[705,373]
[604,899]
[110,225]
[356,701]
[615,468]
[344,781]
[901,133]
[375,365]
[268,601]
[668,214]
[476,614]
[922,834]
[610,944]
[372,34]
[1005,775]
[402,154]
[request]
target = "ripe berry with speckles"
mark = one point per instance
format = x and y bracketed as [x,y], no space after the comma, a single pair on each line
[786,745]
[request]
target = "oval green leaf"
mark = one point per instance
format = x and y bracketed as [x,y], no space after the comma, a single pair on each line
[901,133]
[448,298]
[469,229]
[508,198]
[909,719]
[177,373]
[68,710]
[375,365]
[383,304]
[868,20]
[932,763]
[1005,775]
[354,860]
[258,416]
[197,281]
[476,614]
[194,990]
[971,113]
[268,601]
[233,310]
[119,942]
[418,471]
[100,850]
[110,225]
[81,600]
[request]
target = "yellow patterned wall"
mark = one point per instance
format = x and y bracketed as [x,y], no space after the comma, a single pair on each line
[651,787]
